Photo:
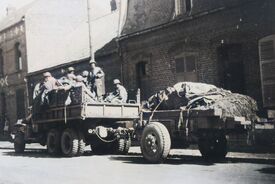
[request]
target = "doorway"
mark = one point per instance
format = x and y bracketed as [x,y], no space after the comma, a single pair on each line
[231,67]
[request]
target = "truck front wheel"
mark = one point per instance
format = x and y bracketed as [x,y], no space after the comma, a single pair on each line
[19,142]
[155,142]
[69,143]
[53,142]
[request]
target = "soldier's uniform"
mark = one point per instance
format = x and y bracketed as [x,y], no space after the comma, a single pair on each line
[97,81]
[120,94]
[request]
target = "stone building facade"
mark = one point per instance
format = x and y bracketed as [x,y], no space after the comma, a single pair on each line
[13,70]
[213,41]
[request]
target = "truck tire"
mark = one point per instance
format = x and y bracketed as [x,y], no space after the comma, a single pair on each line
[123,146]
[213,146]
[81,144]
[100,148]
[155,142]
[54,142]
[69,143]
[19,142]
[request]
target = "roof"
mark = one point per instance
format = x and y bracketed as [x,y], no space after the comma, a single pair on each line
[15,17]
[143,14]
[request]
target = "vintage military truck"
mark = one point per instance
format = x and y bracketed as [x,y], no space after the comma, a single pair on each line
[67,129]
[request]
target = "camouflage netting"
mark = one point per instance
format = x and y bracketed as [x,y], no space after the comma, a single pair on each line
[203,96]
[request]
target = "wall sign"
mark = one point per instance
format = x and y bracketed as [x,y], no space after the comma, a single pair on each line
[4,81]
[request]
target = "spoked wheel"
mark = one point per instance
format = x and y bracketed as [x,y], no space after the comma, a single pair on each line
[69,143]
[123,145]
[213,145]
[19,142]
[81,143]
[155,142]
[53,142]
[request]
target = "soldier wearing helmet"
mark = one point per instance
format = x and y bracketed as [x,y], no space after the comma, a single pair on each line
[85,75]
[96,80]
[120,94]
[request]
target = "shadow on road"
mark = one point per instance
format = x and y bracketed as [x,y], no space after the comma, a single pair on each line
[268,170]
[193,160]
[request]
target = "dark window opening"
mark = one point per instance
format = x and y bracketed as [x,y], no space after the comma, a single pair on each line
[231,68]
[18,57]
[1,64]
[113,5]
[186,64]
[141,73]
[180,65]
[20,103]
[188,5]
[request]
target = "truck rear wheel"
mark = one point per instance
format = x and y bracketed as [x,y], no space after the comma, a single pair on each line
[53,142]
[155,142]
[69,143]
[213,146]
[19,142]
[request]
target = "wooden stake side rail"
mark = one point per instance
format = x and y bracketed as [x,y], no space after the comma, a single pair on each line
[88,111]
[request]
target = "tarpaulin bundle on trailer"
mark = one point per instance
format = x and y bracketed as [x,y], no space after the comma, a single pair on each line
[204,96]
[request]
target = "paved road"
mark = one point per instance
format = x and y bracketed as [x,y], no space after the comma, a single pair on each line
[183,166]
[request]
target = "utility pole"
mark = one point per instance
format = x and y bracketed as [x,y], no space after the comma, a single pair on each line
[90,29]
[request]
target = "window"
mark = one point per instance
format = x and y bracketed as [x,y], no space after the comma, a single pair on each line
[186,64]
[267,68]
[113,5]
[183,6]
[186,68]
[20,103]
[188,5]
[18,57]
[1,63]
[141,72]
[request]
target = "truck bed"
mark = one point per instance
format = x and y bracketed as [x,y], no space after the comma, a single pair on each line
[82,108]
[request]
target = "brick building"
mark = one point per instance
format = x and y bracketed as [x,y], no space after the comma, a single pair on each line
[213,41]
[49,35]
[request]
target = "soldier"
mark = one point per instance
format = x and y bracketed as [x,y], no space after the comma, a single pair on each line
[85,75]
[80,83]
[96,80]
[49,84]
[120,94]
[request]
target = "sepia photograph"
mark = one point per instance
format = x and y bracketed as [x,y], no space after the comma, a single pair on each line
[137,91]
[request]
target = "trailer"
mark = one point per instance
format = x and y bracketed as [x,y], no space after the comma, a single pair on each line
[161,130]
[67,129]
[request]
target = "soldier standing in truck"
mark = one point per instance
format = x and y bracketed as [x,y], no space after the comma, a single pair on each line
[96,80]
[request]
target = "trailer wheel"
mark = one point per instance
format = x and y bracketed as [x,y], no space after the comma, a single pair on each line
[155,142]
[69,143]
[213,146]
[19,142]
[123,146]
[53,142]
[81,144]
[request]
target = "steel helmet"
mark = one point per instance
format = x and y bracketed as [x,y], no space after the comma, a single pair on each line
[70,69]
[116,81]
[79,78]
[47,74]
[85,73]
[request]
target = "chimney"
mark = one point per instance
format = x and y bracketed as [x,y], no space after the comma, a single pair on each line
[10,9]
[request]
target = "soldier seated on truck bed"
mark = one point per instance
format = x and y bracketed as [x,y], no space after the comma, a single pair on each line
[120,94]
[80,83]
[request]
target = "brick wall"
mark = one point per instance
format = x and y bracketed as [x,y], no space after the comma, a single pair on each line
[244,25]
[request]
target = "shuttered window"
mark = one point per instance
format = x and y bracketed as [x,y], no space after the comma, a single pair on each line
[267,67]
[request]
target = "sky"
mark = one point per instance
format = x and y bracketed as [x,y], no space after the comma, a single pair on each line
[14,3]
